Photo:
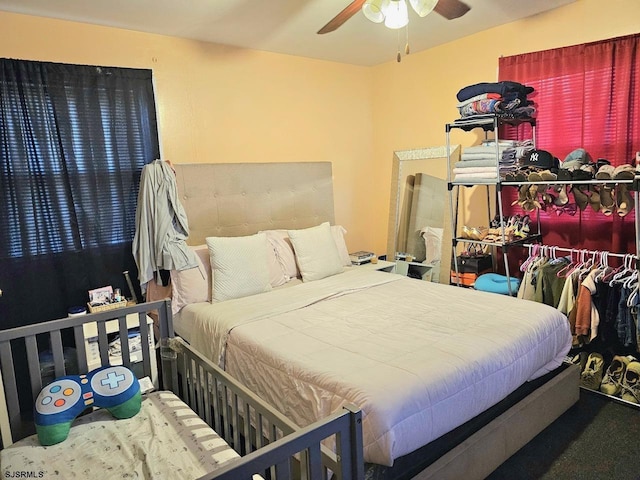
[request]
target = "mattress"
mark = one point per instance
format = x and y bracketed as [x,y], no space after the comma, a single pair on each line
[166,439]
[418,358]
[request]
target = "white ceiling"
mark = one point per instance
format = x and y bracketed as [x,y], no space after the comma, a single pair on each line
[283,26]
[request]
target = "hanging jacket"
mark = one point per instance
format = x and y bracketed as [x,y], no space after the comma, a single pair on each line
[161,225]
[587,317]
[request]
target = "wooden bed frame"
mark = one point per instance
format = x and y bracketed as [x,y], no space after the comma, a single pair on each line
[242,199]
[270,444]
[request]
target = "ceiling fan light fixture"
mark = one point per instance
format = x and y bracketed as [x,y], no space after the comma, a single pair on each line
[423,7]
[396,14]
[374,10]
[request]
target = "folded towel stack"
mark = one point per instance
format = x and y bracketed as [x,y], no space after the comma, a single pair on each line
[484,162]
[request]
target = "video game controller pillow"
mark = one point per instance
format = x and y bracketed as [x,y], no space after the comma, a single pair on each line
[115,388]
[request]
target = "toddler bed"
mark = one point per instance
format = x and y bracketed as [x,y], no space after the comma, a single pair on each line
[200,424]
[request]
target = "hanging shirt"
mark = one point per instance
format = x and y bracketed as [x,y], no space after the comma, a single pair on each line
[568,295]
[161,225]
[549,286]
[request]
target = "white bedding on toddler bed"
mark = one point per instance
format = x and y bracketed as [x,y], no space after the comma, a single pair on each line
[418,358]
[166,439]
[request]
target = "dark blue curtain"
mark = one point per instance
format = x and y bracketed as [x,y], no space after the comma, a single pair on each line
[73,141]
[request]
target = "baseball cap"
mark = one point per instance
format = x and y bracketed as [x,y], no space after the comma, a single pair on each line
[540,159]
[576,159]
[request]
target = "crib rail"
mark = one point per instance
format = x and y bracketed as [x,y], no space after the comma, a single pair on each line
[21,373]
[270,444]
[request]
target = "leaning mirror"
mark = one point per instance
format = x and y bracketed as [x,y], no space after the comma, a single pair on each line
[419,236]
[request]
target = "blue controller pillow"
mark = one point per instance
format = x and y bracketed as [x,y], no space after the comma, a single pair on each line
[59,403]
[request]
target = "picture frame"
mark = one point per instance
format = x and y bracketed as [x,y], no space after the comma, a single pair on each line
[102,295]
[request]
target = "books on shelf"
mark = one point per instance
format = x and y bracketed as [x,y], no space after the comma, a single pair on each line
[360,257]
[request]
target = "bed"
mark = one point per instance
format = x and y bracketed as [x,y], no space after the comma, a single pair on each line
[201,423]
[470,375]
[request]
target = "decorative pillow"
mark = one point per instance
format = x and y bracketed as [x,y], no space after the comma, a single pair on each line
[194,284]
[279,240]
[316,252]
[239,266]
[280,243]
[277,275]
[115,388]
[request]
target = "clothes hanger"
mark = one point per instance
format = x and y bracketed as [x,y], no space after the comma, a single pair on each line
[632,284]
[607,277]
[568,268]
[590,263]
[631,280]
[604,266]
[625,271]
[579,267]
[533,255]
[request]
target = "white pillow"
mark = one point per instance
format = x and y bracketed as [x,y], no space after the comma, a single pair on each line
[281,243]
[194,284]
[239,266]
[316,252]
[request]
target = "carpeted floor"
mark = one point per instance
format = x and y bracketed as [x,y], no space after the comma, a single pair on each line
[596,439]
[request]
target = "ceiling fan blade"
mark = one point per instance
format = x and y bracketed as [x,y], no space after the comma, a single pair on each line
[451,9]
[342,17]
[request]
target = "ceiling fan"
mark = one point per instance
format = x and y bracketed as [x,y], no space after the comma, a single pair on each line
[449,9]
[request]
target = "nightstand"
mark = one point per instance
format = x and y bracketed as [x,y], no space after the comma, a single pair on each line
[112,328]
[382,265]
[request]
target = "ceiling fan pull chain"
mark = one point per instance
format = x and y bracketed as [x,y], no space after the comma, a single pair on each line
[406,46]
[398,55]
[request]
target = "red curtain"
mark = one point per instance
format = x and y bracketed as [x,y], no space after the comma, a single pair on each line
[586,96]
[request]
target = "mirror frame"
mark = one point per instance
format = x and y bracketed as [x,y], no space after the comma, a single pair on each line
[399,158]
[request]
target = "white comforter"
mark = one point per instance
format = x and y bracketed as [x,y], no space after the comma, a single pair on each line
[418,358]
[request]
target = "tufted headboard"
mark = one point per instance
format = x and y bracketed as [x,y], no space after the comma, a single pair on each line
[235,199]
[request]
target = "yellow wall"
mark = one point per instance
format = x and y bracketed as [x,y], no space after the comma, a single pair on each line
[425,84]
[221,104]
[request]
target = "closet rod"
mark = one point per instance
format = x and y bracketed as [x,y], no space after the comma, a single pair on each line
[580,250]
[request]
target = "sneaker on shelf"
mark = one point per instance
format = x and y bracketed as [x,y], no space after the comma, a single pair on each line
[612,380]
[631,383]
[591,376]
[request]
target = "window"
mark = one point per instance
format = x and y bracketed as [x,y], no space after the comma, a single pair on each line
[586,97]
[73,141]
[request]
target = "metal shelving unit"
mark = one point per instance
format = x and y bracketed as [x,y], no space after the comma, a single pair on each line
[487,124]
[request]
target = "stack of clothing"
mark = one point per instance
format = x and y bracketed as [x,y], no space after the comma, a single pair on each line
[485,101]
[485,162]
[512,157]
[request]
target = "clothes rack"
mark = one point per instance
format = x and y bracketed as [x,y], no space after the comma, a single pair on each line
[580,250]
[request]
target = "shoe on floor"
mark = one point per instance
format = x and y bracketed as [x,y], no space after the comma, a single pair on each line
[612,380]
[631,383]
[591,376]
[580,359]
